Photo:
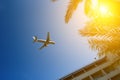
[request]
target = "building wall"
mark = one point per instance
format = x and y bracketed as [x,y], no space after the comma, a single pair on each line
[107,68]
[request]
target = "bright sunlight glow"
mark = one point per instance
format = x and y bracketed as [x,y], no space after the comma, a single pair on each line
[103,10]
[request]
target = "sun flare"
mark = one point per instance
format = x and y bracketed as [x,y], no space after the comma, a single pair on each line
[103,10]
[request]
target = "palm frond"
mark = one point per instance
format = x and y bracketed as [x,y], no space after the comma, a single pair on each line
[71,8]
[104,46]
[96,28]
[87,7]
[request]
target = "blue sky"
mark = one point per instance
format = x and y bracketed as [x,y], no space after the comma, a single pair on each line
[20,59]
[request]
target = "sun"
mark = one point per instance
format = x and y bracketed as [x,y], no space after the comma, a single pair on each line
[103,10]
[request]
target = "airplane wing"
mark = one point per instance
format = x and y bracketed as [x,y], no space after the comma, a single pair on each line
[51,42]
[42,47]
[48,37]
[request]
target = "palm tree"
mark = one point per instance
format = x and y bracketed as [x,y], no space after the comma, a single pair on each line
[103,32]
[73,4]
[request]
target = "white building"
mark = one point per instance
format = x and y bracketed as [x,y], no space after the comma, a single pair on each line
[105,68]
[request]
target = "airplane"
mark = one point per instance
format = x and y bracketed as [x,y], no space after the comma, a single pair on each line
[53,0]
[45,42]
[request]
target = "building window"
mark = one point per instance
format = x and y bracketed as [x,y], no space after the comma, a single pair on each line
[78,73]
[117,77]
[87,78]
[102,61]
[89,67]
[67,78]
[109,69]
[97,75]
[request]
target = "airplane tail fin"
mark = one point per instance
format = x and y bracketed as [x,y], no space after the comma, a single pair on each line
[34,38]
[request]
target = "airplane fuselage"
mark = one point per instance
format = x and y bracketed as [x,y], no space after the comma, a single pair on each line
[46,43]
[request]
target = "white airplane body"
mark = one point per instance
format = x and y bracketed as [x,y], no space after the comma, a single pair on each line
[45,42]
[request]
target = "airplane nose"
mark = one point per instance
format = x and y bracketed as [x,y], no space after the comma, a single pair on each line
[33,37]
